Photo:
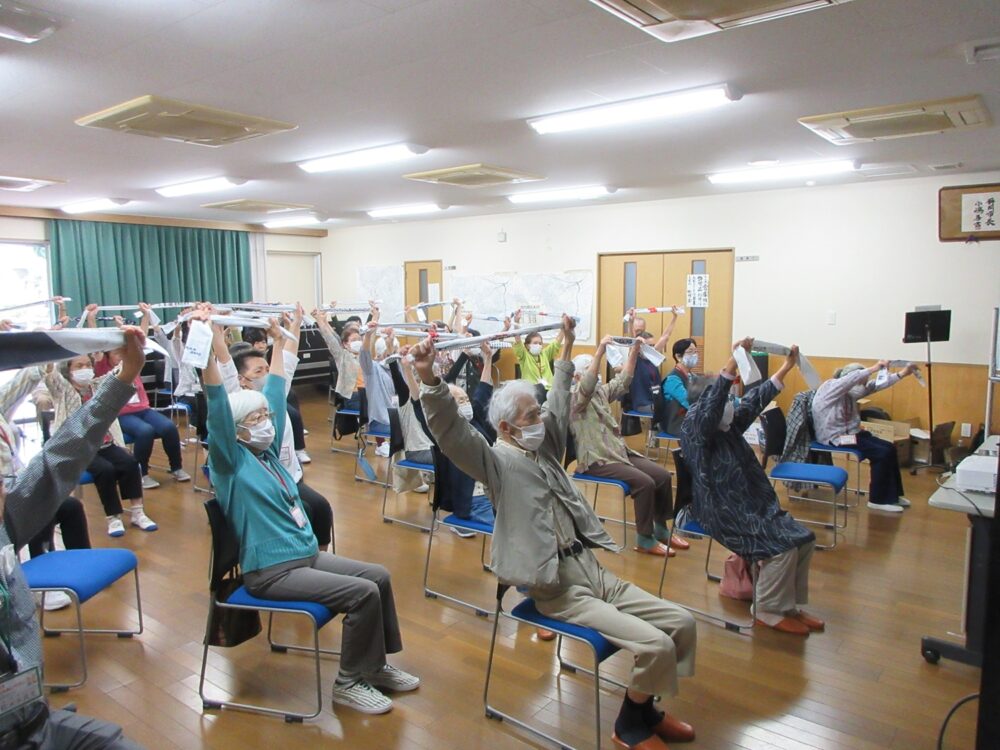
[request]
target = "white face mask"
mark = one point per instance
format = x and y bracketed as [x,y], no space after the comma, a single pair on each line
[379,347]
[690,360]
[257,384]
[535,349]
[465,410]
[727,416]
[83,376]
[531,436]
[355,346]
[261,435]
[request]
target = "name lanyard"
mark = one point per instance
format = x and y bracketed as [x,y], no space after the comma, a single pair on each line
[286,493]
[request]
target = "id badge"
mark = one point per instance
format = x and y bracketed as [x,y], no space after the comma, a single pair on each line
[298,516]
[20,689]
[848,440]
[285,455]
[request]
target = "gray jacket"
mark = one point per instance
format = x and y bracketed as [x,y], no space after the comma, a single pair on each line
[347,364]
[32,502]
[523,487]
[835,410]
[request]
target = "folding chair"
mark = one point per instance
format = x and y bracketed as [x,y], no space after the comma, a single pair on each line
[693,530]
[850,454]
[201,468]
[396,446]
[336,408]
[598,482]
[833,477]
[81,574]
[438,503]
[364,433]
[600,647]
[224,565]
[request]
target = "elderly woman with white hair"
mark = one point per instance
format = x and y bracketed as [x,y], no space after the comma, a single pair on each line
[601,450]
[279,556]
[837,421]
[545,531]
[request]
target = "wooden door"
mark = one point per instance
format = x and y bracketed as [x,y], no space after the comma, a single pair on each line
[660,279]
[711,327]
[423,278]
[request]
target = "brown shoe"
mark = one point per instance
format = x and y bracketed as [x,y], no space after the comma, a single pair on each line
[545,635]
[659,549]
[650,743]
[786,625]
[677,543]
[672,729]
[813,623]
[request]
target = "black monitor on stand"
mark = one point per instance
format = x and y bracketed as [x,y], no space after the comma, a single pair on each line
[926,326]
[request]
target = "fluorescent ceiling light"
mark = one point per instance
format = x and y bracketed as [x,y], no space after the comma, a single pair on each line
[414,209]
[636,110]
[367,157]
[20,23]
[199,186]
[569,194]
[92,206]
[293,221]
[778,174]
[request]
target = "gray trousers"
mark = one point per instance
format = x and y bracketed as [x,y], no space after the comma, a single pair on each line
[783,581]
[649,484]
[361,591]
[659,634]
[66,730]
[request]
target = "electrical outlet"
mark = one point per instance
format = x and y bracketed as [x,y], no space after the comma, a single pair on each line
[966,429]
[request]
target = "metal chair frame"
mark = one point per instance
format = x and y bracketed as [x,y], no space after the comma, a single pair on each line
[430,593]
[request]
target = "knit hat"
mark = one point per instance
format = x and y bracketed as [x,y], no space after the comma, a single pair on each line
[847,369]
[244,402]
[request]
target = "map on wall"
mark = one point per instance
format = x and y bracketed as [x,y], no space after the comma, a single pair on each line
[383,283]
[500,294]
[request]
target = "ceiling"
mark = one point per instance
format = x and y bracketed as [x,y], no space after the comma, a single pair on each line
[461,76]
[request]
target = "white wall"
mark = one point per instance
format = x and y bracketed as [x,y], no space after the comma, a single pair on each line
[867,251]
[22,230]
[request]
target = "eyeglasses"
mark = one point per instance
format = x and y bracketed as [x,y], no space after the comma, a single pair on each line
[256,418]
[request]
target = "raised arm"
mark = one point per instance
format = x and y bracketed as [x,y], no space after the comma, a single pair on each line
[457,439]
[661,344]
[555,412]
[31,502]
[757,398]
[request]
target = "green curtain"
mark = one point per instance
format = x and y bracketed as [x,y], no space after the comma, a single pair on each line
[121,264]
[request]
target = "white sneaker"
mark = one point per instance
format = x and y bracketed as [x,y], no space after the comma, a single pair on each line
[180,476]
[886,507]
[303,457]
[361,697]
[390,678]
[143,521]
[304,432]
[115,526]
[382,450]
[903,502]
[423,489]
[148,483]
[464,534]
[53,600]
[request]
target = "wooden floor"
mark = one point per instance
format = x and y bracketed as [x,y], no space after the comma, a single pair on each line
[862,685]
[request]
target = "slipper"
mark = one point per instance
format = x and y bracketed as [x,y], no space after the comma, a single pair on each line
[658,550]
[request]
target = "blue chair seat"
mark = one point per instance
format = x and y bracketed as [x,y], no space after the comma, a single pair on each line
[583,477]
[467,523]
[834,476]
[693,527]
[639,414]
[86,478]
[830,448]
[527,611]
[667,436]
[371,432]
[349,412]
[244,598]
[406,464]
[84,571]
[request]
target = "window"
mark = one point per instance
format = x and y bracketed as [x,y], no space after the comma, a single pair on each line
[631,280]
[25,279]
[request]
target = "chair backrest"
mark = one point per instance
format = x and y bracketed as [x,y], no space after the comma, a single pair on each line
[682,491]
[396,443]
[225,545]
[362,406]
[775,432]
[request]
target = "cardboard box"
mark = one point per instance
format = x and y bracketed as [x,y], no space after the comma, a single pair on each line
[894,432]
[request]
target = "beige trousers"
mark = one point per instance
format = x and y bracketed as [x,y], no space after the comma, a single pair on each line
[659,634]
[783,583]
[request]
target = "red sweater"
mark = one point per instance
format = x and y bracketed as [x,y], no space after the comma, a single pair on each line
[102,366]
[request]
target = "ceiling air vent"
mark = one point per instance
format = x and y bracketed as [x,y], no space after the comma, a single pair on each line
[25,184]
[900,121]
[886,170]
[172,120]
[474,176]
[950,167]
[249,205]
[674,20]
